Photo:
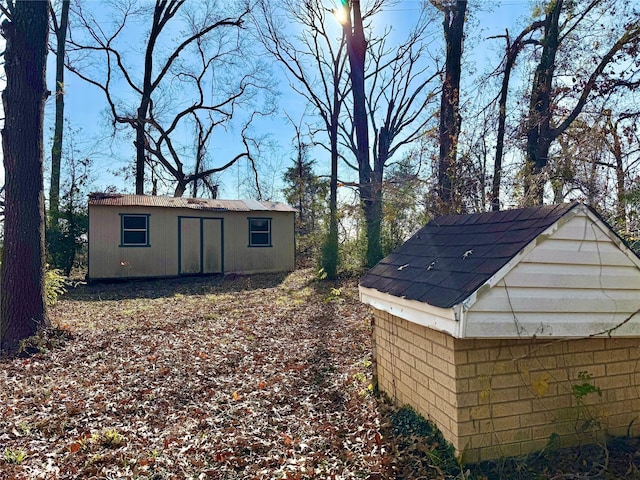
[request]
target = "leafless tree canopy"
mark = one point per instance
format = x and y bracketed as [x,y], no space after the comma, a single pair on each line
[195,75]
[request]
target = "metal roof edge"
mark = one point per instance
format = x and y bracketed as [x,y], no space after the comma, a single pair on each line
[161,201]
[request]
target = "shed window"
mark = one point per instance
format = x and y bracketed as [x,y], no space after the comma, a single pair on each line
[259,232]
[135,230]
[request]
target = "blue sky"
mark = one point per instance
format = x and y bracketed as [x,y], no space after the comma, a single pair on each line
[85,104]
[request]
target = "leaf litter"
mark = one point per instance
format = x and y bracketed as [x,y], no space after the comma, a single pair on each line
[252,377]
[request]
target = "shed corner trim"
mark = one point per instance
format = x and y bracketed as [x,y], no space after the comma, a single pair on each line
[436,318]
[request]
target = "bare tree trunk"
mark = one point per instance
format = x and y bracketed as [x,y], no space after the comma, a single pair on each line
[326,96]
[330,253]
[502,118]
[145,97]
[181,187]
[370,185]
[512,51]
[22,306]
[450,119]
[56,148]
[539,136]
[140,151]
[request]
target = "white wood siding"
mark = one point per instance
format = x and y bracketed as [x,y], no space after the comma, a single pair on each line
[436,318]
[575,282]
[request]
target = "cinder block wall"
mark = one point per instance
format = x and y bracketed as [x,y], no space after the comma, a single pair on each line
[493,398]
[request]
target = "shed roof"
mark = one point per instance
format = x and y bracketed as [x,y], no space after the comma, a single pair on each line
[452,256]
[120,200]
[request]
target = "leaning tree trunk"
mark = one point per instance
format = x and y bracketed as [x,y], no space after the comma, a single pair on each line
[22,306]
[510,57]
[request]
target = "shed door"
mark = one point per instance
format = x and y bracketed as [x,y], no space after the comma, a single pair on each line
[200,245]
[189,245]
[211,245]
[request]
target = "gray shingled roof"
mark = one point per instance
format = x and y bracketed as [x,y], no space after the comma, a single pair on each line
[452,256]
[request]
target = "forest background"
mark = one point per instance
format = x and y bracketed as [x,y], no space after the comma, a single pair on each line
[369,117]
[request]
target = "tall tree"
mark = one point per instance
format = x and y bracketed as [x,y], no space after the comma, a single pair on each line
[399,89]
[210,66]
[369,181]
[22,305]
[608,64]
[539,119]
[454,12]
[56,240]
[390,96]
[60,30]
[315,63]
[513,48]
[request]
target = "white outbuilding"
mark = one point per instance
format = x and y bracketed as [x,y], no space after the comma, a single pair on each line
[486,322]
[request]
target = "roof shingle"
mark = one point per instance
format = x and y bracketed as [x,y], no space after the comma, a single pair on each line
[452,256]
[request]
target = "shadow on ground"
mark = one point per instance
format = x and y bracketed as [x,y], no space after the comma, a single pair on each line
[169,287]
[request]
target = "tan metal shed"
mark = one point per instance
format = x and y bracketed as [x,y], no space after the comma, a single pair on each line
[139,236]
[489,324]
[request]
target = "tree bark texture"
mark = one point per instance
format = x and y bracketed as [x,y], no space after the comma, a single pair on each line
[22,305]
[450,120]
[147,89]
[330,248]
[502,118]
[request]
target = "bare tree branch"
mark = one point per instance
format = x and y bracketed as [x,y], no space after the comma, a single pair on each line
[205,103]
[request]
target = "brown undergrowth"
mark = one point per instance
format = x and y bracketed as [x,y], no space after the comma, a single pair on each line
[260,377]
[245,377]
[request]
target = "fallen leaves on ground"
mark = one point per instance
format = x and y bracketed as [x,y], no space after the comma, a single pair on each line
[261,377]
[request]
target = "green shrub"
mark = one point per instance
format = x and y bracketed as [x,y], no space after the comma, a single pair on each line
[353,254]
[54,285]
